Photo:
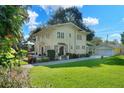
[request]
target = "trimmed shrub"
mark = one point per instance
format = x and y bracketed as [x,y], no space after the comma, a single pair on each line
[75,56]
[88,55]
[44,59]
[67,54]
[83,55]
[51,54]
[72,55]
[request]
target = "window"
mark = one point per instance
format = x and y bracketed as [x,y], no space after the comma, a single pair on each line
[83,47]
[77,47]
[62,35]
[71,47]
[34,39]
[79,37]
[70,35]
[58,34]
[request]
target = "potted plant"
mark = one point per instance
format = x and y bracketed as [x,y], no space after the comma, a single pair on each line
[51,54]
[67,56]
[60,56]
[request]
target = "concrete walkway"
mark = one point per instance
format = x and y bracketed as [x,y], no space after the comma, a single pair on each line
[60,62]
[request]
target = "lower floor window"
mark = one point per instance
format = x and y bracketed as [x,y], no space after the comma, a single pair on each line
[77,47]
[83,47]
[71,47]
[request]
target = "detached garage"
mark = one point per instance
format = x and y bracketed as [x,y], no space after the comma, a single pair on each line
[105,50]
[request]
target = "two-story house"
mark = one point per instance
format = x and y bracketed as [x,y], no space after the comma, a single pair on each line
[64,38]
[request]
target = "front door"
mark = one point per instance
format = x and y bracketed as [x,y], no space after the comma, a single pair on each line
[61,50]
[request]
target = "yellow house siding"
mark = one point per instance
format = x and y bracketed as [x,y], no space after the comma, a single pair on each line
[117,50]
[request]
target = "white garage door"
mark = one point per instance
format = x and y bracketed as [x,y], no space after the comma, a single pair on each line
[107,52]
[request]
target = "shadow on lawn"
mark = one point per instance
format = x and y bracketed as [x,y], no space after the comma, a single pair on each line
[115,61]
[92,63]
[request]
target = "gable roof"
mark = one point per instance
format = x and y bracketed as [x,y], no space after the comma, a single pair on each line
[62,24]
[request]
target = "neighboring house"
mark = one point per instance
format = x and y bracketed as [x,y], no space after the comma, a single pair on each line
[106,49]
[63,38]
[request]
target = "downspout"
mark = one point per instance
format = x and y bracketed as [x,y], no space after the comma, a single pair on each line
[69,44]
[75,43]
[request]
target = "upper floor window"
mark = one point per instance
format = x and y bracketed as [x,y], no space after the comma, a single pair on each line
[79,37]
[34,39]
[60,35]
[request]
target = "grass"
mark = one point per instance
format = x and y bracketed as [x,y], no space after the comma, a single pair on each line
[97,73]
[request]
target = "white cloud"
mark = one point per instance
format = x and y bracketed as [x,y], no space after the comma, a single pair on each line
[89,21]
[115,36]
[32,19]
[26,37]
[51,8]
[123,19]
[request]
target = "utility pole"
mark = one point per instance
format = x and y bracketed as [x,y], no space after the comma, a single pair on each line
[107,39]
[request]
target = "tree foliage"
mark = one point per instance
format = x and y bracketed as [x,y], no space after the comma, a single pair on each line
[73,15]
[114,42]
[97,41]
[11,21]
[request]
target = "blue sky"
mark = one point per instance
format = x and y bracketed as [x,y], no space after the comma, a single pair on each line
[104,20]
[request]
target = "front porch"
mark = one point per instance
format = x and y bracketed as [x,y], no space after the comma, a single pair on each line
[60,49]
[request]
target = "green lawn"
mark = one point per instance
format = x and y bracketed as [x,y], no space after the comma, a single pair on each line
[107,72]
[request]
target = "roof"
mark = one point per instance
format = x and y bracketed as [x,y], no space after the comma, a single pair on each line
[90,44]
[109,45]
[62,24]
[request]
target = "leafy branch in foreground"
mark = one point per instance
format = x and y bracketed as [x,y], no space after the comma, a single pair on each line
[11,20]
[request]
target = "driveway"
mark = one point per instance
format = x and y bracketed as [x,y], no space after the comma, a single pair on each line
[60,62]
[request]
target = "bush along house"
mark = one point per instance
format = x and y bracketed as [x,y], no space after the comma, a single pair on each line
[64,39]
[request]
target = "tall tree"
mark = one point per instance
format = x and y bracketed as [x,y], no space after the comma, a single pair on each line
[122,38]
[73,15]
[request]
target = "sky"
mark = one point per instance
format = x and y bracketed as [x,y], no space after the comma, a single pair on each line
[104,20]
